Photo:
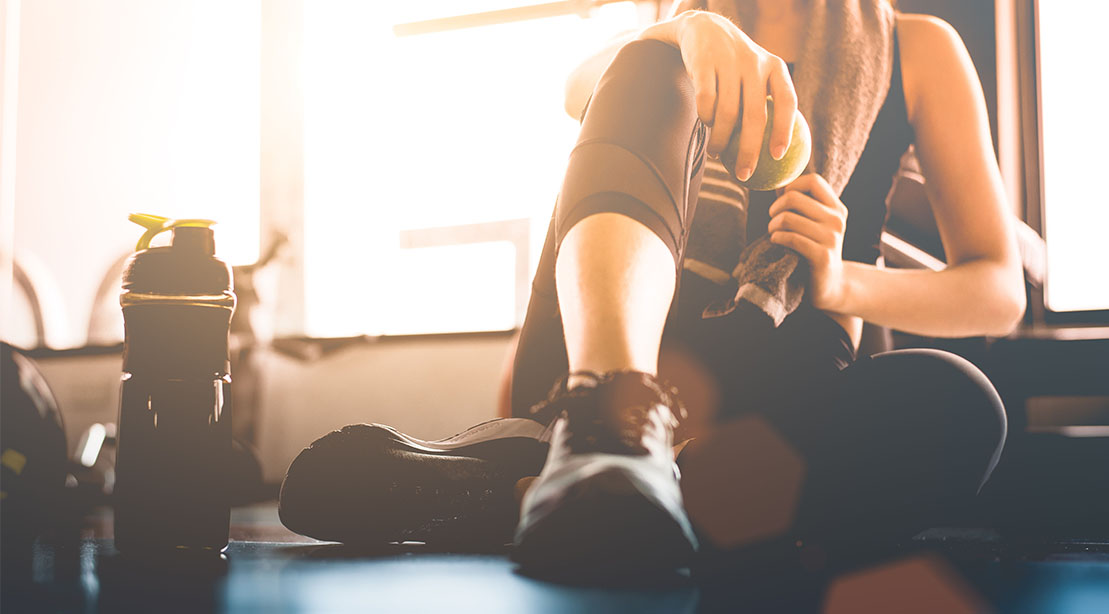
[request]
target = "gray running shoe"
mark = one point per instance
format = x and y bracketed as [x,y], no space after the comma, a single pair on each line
[608,501]
[371,484]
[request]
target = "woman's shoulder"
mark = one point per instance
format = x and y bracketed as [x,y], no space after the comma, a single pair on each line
[932,54]
[918,28]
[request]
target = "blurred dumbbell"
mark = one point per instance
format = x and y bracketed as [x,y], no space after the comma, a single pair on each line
[92,466]
[32,455]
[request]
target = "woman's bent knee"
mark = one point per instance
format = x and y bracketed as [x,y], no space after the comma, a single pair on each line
[640,145]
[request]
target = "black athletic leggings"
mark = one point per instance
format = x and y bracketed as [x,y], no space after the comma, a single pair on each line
[903,434]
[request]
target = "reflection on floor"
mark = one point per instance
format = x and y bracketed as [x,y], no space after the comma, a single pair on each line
[268,569]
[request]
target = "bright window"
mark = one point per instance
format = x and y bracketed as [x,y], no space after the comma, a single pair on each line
[452,129]
[125,106]
[1074,136]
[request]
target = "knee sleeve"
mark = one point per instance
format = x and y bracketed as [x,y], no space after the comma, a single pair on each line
[640,149]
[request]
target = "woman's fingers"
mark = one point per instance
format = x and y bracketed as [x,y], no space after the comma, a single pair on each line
[727,101]
[818,188]
[810,218]
[703,76]
[810,250]
[732,76]
[810,229]
[706,57]
[752,126]
[785,106]
[809,207]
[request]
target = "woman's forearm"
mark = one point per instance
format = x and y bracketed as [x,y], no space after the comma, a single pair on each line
[979,297]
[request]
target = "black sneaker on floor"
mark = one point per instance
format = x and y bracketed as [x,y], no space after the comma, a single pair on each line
[370,484]
[608,502]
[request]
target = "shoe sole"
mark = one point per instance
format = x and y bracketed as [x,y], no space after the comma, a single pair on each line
[603,527]
[369,484]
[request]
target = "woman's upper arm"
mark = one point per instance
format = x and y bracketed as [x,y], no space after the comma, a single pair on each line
[947,110]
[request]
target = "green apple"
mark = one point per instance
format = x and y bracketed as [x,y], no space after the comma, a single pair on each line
[771,174]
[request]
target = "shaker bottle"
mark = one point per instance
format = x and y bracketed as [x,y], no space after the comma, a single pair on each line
[174,439]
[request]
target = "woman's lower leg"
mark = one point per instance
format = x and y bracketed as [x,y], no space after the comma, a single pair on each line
[615,281]
[623,211]
[608,272]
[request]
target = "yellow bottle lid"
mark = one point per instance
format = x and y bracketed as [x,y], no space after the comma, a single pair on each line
[156,224]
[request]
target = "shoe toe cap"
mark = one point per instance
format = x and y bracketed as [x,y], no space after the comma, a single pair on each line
[318,489]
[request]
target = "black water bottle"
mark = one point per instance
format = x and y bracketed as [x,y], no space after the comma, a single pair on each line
[175,404]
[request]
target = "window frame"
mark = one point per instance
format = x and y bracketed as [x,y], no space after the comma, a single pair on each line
[282,175]
[1028,37]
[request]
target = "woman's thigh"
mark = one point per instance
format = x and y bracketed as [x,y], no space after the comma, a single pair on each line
[890,445]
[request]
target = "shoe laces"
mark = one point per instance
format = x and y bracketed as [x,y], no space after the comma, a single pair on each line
[610,411]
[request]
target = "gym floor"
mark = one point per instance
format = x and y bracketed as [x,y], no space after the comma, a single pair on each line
[268,569]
